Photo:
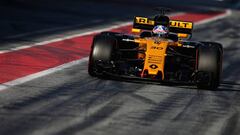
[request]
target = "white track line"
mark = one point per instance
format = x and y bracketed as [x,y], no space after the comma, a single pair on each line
[22,80]
[67,37]
[41,74]
[228,13]
[48,30]
[117,25]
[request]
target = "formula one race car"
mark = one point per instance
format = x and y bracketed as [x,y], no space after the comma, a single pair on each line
[165,55]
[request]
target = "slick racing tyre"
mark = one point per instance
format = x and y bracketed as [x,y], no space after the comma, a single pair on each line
[209,65]
[101,52]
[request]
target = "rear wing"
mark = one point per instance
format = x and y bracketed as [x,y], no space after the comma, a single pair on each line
[179,27]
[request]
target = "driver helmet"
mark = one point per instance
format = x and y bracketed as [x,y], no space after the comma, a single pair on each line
[160,31]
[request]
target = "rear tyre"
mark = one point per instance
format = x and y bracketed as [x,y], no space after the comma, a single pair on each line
[101,51]
[209,65]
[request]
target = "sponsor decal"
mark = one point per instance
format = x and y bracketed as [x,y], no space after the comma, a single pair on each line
[157,41]
[188,46]
[156,47]
[143,20]
[180,24]
[153,66]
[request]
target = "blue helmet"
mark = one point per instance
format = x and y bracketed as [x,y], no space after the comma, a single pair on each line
[160,30]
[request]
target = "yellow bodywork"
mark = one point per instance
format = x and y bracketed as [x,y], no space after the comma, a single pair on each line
[155,53]
[155,47]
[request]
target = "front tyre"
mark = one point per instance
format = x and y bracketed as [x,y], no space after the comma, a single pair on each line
[101,51]
[209,65]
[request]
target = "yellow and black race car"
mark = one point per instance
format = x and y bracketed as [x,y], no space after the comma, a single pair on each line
[172,58]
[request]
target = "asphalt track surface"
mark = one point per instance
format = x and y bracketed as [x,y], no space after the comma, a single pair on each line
[71,102]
